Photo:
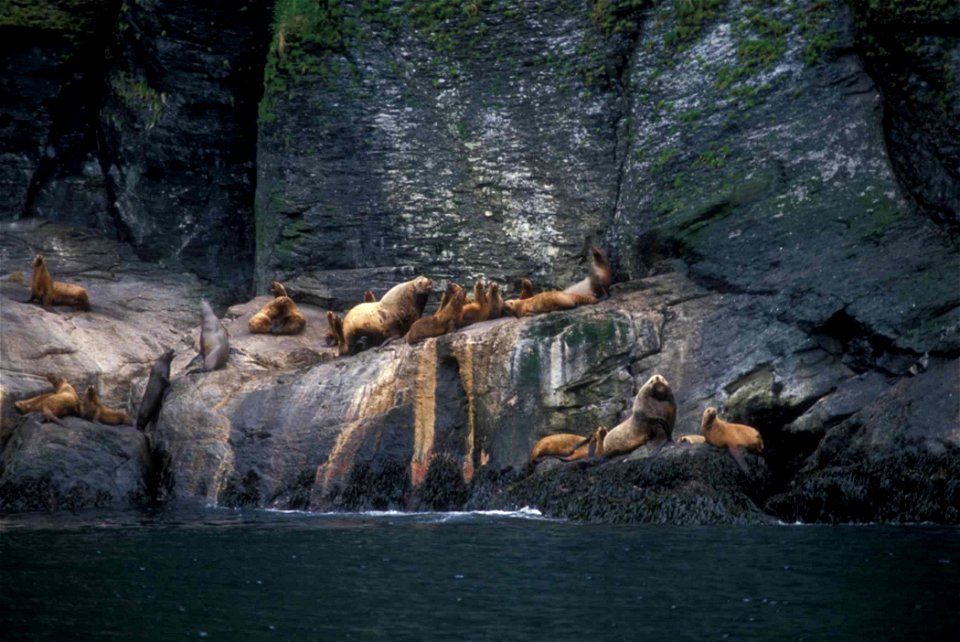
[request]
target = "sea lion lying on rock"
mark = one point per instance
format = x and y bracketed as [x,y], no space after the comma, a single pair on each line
[692,439]
[653,418]
[49,292]
[280,316]
[373,323]
[62,402]
[92,409]
[569,447]
[731,436]
[547,302]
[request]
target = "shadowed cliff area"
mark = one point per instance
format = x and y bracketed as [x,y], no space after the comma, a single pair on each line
[776,183]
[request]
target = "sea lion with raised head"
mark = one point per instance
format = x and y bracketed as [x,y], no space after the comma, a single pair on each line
[526,289]
[734,437]
[49,292]
[370,324]
[599,279]
[214,342]
[445,319]
[369,297]
[92,409]
[495,301]
[653,417]
[62,402]
[156,387]
[477,310]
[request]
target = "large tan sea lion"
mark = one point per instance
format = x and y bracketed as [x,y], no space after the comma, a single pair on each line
[733,437]
[445,319]
[62,402]
[370,324]
[92,409]
[653,418]
[49,292]
[547,302]
[156,387]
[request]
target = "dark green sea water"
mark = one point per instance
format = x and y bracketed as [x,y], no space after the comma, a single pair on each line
[227,575]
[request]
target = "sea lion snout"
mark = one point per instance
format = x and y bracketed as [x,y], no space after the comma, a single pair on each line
[659,388]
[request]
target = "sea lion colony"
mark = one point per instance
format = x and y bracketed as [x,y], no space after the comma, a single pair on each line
[399,314]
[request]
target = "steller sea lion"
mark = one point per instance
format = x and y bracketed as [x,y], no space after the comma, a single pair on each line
[214,343]
[569,447]
[156,387]
[495,300]
[652,418]
[601,275]
[92,409]
[731,436]
[692,439]
[62,402]
[369,297]
[49,292]
[373,323]
[526,289]
[547,302]
[280,316]
[445,319]
[477,310]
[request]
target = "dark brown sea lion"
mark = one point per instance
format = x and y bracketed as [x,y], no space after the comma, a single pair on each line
[49,292]
[156,387]
[733,437]
[445,319]
[653,418]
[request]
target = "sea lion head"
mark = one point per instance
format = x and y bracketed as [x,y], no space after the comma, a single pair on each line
[91,395]
[709,415]
[38,260]
[277,288]
[658,388]
[167,355]
[55,380]
[422,285]
[513,307]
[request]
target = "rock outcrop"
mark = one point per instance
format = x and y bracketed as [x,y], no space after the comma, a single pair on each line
[775,182]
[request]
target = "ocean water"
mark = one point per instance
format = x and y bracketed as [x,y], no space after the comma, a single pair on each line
[218,574]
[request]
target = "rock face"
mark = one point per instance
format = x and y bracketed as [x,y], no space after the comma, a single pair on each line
[775,182]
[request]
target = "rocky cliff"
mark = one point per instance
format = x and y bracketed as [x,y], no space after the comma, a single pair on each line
[775,181]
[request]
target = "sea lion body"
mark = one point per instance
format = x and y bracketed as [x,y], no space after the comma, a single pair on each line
[477,310]
[49,292]
[601,275]
[547,302]
[495,301]
[569,447]
[375,322]
[156,387]
[653,417]
[214,343]
[733,437]
[92,409]
[62,402]
[445,319]
[280,316]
